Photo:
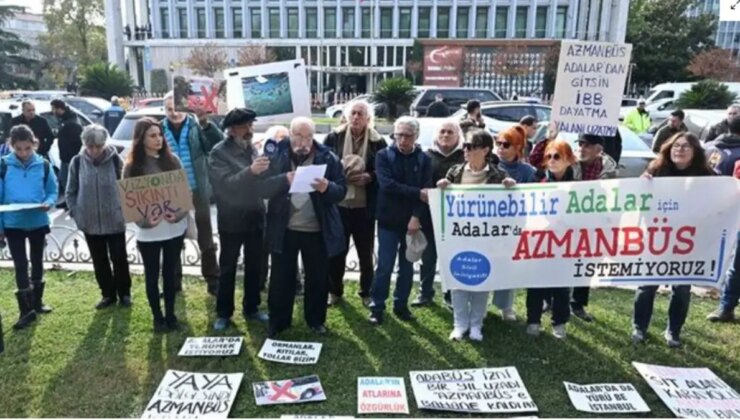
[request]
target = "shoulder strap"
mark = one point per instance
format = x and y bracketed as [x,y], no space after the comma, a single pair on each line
[118,165]
[3,168]
[47,169]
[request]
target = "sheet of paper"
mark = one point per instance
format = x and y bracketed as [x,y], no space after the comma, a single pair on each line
[305,176]
[19,207]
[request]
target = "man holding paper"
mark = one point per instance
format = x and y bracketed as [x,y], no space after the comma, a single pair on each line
[306,182]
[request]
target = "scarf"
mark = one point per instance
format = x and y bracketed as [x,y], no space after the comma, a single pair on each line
[182,149]
[353,191]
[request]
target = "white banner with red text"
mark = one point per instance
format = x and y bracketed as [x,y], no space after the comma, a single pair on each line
[630,232]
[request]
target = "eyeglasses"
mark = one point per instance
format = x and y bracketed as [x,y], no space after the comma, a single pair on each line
[471,146]
[681,146]
[503,144]
[406,135]
[553,156]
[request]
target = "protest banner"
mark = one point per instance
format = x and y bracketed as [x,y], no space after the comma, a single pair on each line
[378,395]
[275,91]
[289,391]
[193,93]
[211,346]
[488,390]
[589,85]
[147,196]
[194,395]
[628,231]
[692,392]
[291,352]
[606,398]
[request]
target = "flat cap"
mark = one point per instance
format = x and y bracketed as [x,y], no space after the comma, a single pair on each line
[591,139]
[238,116]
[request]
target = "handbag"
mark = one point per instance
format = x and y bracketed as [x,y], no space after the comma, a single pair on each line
[192,231]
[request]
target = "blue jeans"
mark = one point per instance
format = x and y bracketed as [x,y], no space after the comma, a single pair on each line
[731,290]
[428,268]
[390,245]
[678,308]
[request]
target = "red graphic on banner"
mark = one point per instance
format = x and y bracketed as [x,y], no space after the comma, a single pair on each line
[443,66]
[282,390]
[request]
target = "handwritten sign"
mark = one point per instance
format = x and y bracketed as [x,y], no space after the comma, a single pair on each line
[628,231]
[211,346]
[589,86]
[692,392]
[489,390]
[289,391]
[290,352]
[143,197]
[606,398]
[376,395]
[194,395]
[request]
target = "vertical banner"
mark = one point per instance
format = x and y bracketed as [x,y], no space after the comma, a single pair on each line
[194,395]
[589,86]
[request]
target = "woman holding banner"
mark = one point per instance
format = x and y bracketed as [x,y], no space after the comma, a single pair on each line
[559,162]
[682,155]
[469,308]
[157,235]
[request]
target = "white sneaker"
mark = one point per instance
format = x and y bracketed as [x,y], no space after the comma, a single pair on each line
[509,315]
[534,329]
[476,334]
[457,334]
[559,331]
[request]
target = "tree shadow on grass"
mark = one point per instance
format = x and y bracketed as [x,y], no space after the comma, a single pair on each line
[15,367]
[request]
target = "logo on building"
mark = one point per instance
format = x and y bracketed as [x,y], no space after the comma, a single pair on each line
[443,66]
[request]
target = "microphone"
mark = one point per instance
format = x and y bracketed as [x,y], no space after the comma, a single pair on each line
[270,148]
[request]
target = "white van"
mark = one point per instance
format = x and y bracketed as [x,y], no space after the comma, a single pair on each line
[674,90]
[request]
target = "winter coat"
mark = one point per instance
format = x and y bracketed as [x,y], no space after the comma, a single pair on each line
[438,110]
[441,164]
[24,184]
[723,153]
[112,117]
[198,159]
[637,121]
[495,175]
[41,130]
[213,135]
[92,193]
[519,171]
[664,134]
[468,123]
[608,168]
[722,127]
[69,136]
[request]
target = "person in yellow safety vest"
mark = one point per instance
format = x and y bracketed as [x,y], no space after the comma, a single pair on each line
[638,120]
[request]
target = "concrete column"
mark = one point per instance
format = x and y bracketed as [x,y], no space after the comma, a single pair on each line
[552,19]
[492,19]
[605,33]
[433,19]
[618,31]
[472,20]
[395,21]
[301,19]
[511,24]
[573,13]
[229,20]
[415,20]
[531,18]
[114,33]
[453,19]
[265,19]
[320,19]
[593,19]
[192,19]
[143,17]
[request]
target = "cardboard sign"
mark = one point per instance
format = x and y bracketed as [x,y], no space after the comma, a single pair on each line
[289,391]
[628,231]
[692,392]
[488,390]
[606,398]
[290,352]
[589,86]
[194,395]
[155,195]
[211,346]
[376,395]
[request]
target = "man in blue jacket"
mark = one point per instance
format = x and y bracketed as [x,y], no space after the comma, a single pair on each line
[404,175]
[308,223]
[113,115]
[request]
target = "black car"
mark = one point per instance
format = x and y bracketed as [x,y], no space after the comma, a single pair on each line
[453,98]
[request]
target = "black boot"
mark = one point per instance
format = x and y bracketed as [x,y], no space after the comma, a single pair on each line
[28,315]
[38,298]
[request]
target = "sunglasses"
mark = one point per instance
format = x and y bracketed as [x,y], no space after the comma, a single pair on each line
[503,144]
[471,146]
[554,156]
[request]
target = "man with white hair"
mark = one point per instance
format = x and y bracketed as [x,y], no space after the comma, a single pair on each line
[356,143]
[40,127]
[404,176]
[305,223]
[722,127]
[113,115]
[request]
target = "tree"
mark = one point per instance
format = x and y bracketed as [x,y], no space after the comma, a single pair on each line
[394,94]
[12,54]
[207,60]
[707,94]
[715,63]
[73,37]
[665,38]
[252,55]
[104,81]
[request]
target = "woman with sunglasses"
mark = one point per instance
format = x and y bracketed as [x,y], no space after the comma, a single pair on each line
[510,146]
[469,308]
[682,155]
[559,162]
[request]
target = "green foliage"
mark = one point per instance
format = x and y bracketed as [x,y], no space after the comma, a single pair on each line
[103,80]
[707,94]
[159,81]
[12,59]
[665,38]
[395,94]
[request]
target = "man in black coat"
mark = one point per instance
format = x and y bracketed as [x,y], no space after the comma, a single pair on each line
[69,137]
[438,108]
[39,126]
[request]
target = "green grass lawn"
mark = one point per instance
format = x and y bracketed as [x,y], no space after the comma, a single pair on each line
[79,362]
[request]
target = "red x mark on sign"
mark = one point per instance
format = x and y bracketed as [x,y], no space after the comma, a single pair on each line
[210,98]
[282,390]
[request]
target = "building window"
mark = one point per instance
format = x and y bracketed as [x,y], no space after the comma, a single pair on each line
[164,16]
[200,22]
[561,20]
[219,22]
[366,22]
[182,20]
[540,22]
[348,22]
[443,22]
[386,22]
[481,22]
[463,14]
[330,22]
[236,22]
[292,22]
[274,19]
[404,22]
[256,20]
[520,27]
[425,21]
[502,20]
[312,22]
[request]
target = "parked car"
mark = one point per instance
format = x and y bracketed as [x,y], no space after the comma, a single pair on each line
[92,107]
[335,111]
[674,90]
[629,102]
[149,103]
[499,116]
[41,95]
[454,97]
[699,121]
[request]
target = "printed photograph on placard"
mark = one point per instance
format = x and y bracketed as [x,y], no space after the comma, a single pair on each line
[268,94]
[289,391]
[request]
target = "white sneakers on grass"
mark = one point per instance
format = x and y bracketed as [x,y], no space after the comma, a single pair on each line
[476,334]
[457,334]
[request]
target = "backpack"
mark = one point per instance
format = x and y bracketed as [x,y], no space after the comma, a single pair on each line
[4,169]
[117,164]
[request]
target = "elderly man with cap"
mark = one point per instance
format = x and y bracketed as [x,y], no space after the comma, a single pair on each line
[236,175]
